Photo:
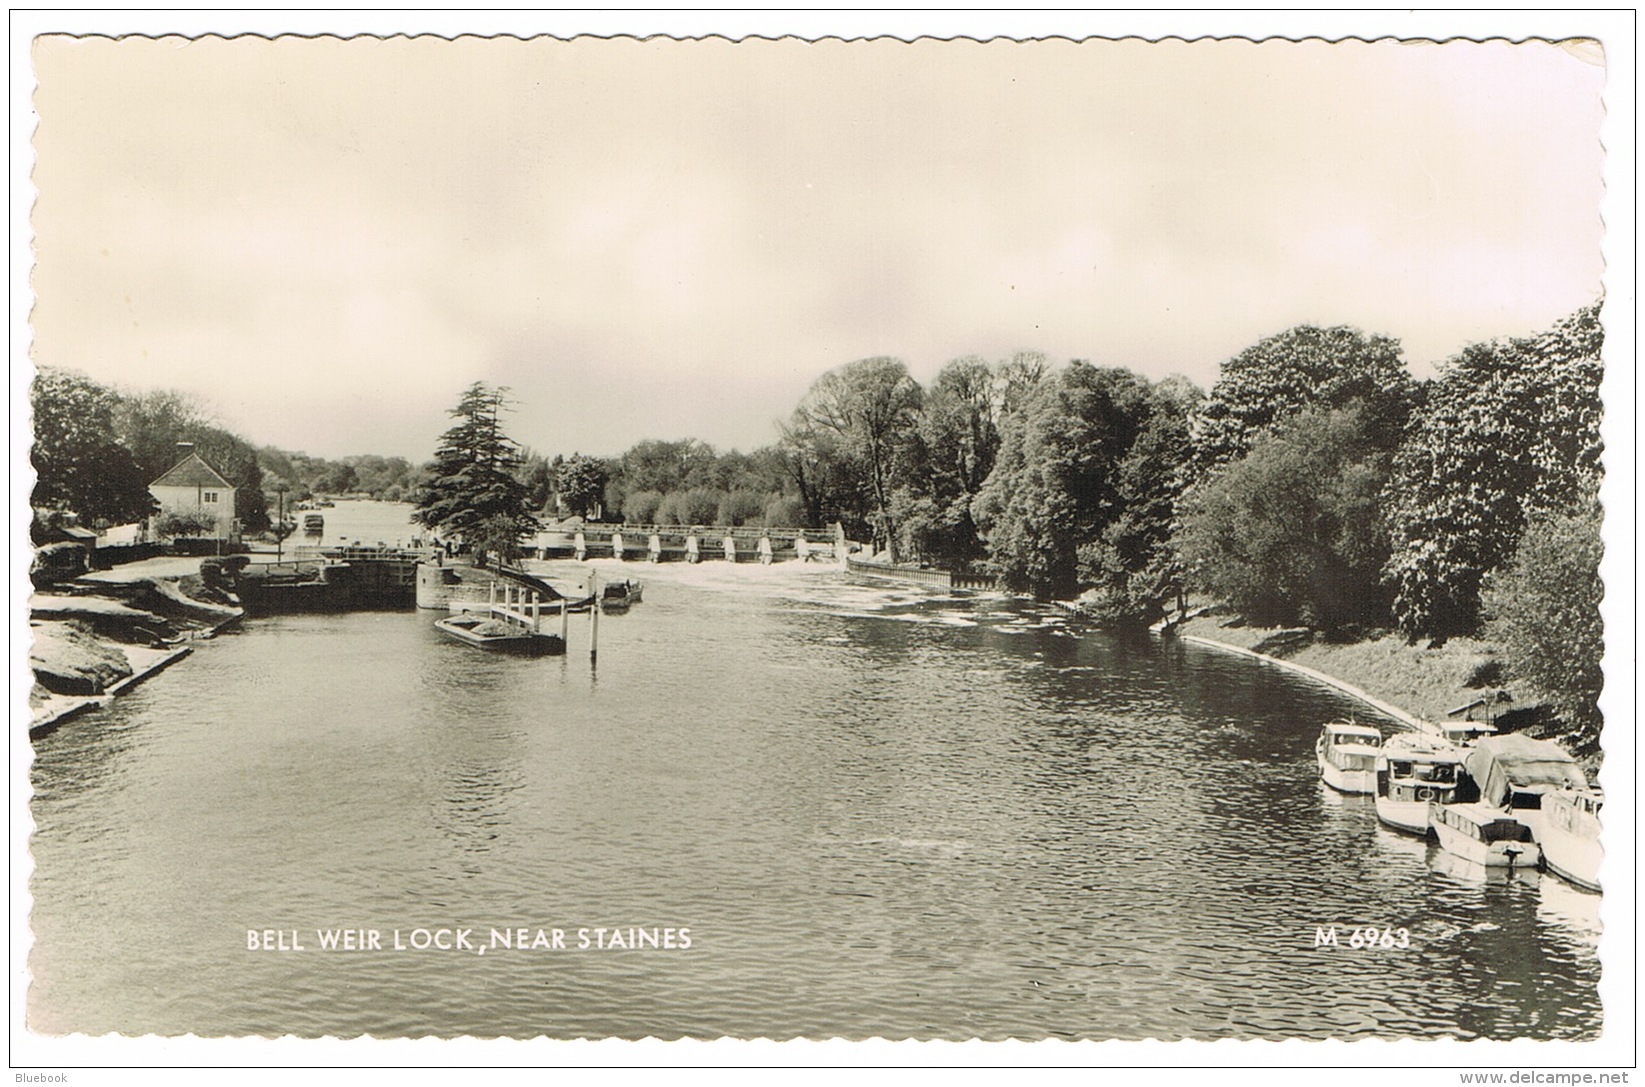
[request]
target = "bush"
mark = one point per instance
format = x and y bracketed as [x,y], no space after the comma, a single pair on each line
[1543,608]
[739,508]
[785,511]
[641,507]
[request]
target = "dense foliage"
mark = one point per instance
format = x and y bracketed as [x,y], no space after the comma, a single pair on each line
[80,465]
[96,450]
[1292,531]
[1509,431]
[1056,484]
[1543,608]
[580,482]
[1301,368]
[473,493]
[867,411]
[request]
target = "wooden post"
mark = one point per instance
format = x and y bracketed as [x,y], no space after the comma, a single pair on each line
[565,618]
[536,616]
[594,619]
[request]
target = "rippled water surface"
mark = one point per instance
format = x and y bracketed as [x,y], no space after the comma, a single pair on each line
[878,812]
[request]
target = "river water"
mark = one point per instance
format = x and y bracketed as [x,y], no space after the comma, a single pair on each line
[877,812]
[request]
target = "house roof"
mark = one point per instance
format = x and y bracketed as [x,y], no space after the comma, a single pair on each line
[191,471]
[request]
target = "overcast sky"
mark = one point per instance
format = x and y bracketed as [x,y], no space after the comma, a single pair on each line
[328,240]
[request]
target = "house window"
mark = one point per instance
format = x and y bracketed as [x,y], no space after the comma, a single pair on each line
[211,496]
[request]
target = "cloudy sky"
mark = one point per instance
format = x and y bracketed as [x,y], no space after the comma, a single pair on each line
[327,240]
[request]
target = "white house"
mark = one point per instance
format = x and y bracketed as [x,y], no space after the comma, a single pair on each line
[195,488]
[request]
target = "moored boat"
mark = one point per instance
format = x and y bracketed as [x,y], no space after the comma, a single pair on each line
[486,632]
[618,595]
[1514,773]
[1570,836]
[1347,754]
[1412,772]
[1484,834]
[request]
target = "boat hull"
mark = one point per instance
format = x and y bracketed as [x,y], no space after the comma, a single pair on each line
[1409,816]
[1353,782]
[1570,846]
[524,643]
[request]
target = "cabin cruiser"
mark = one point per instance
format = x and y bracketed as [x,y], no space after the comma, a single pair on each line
[1412,772]
[1347,755]
[1484,834]
[1570,836]
[1513,774]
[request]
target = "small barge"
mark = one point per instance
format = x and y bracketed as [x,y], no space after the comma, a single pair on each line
[512,624]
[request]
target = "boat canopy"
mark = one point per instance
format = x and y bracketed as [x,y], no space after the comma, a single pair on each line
[1503,765]
[1347,733]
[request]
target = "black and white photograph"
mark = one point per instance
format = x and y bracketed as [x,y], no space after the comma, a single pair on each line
[610,533]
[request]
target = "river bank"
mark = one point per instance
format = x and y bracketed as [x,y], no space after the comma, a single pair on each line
[104,633]
[1427,683]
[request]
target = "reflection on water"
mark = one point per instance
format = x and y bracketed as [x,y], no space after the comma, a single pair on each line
[879,812]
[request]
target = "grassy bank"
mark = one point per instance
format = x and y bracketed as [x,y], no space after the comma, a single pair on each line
[1427,682]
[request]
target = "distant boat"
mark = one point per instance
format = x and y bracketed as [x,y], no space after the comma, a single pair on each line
[1347,754]
[486,632]
[1412,772]
[314,524]
[618,595]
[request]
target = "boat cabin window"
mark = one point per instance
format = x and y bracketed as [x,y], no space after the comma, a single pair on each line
[1362,741]
[1443,773]
[1522,801]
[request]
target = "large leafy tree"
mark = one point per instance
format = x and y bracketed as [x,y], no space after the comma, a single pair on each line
[870,406]
[1292,531]
[955,441]
[1542,606]
[80,465]
[823,473]
[1303,367]
[1055,484]
[1133,569]
[1508,431]
[581,482]
[473,492]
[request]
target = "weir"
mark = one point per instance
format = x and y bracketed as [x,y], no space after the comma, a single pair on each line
[690,543]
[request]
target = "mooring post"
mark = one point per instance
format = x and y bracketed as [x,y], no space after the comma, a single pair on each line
[594,619]
[536,616]
[565,619]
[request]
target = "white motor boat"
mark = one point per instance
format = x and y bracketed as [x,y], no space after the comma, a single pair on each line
[1412,772]
[1347,754]
[1570,836]
[1485,835]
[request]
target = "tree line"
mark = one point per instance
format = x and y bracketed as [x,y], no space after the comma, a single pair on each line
[1316,483]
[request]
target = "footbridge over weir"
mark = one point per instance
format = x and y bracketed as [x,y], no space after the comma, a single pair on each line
[692,543]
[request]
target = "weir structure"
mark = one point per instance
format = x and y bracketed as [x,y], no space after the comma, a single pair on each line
[690,543]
